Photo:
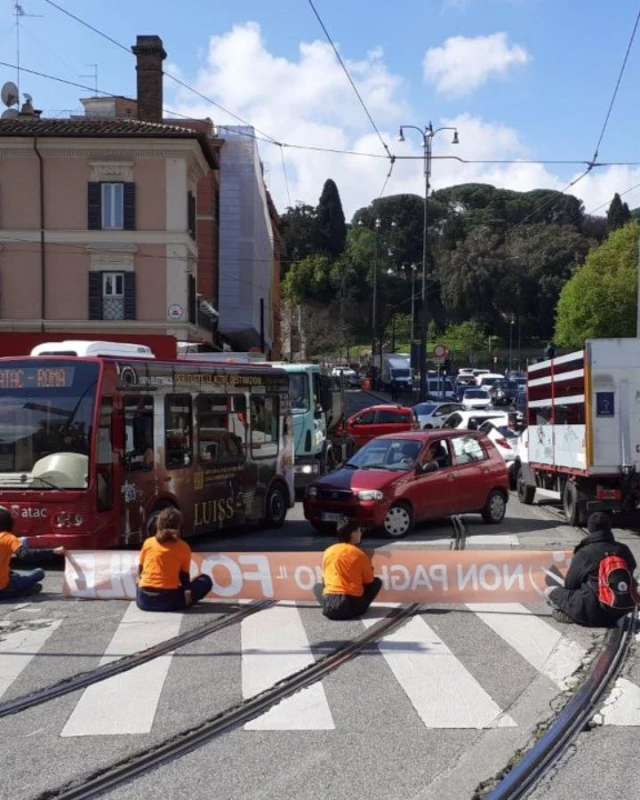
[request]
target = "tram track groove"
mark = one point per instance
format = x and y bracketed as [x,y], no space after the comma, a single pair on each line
[526,773]
[84,679]
[177,745]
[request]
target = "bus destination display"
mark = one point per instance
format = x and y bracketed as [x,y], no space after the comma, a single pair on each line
[37,378]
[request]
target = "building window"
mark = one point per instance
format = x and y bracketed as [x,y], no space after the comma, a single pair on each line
[191,214]
[113,295]
[112,206]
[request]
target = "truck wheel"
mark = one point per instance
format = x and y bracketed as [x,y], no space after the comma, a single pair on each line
[573,506]
[275,508]
[514,472]
[495,508]
[526,492]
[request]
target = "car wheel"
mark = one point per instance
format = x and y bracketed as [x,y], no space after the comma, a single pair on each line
[514,472]
[275,508]
[573,507]
[398,520]
[495,508]
[526,492]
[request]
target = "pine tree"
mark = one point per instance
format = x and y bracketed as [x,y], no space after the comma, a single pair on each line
[618,213]
[332,231]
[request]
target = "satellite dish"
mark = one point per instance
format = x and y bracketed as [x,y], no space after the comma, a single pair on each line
[10,113]
[10,94]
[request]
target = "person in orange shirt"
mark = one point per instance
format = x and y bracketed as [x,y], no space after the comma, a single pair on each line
[18,584]
[349,586]
[164,583]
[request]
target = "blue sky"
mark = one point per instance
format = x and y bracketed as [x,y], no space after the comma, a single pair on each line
[519,78]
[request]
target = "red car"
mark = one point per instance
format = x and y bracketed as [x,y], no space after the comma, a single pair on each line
[378,421]
[397,480]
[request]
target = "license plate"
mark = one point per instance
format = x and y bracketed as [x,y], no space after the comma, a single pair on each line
[329,516]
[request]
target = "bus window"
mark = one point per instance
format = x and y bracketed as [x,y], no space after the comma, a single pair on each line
[216,445]
[299,392]
[138,425]
[177,430]
[238,419]
[264,426]
[104,458]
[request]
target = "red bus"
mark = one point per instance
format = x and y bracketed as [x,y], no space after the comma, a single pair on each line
[95,440]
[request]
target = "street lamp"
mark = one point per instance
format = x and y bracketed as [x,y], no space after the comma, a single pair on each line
[427,135]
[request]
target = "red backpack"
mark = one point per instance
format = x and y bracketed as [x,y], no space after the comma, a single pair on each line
[616,585]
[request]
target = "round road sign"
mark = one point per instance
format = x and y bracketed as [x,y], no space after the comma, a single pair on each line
[440,351]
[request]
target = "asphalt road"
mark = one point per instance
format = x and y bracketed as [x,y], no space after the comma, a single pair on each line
[439,707]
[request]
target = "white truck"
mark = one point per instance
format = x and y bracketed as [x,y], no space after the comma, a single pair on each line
[583,437]
[396,368]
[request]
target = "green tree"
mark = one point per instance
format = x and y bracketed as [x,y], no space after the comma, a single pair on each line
[299,229]
[331,228]
[466,338]
[600,299]
[309,281]
[618,214]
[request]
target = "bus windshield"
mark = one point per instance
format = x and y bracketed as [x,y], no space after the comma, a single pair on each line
[46,414]
[299,392]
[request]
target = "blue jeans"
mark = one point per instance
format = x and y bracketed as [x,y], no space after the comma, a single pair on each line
[173,599]
[21,583]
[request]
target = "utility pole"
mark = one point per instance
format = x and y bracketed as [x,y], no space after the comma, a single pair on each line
[427,138]
[374,299]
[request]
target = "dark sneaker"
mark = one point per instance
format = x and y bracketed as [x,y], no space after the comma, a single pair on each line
[35,589]
[560,616]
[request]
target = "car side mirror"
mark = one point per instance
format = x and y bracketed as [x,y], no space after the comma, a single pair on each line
[425,469]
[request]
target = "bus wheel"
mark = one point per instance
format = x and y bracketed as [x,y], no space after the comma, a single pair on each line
[573,505]
[276,508]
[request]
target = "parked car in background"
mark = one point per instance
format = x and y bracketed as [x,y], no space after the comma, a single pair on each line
[349,376]
[503,392]
[463,382]
[378,421]
[440,388]
[476,398]
[505,439]
[395,481]
[432,415]
[488,379]
[471,420]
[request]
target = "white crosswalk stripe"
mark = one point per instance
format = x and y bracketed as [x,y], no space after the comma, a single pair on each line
[443,692]
[274,645]
[127,703]
[19,647]
[539,643]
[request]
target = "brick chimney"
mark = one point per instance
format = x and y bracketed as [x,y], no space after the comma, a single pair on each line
[150,54]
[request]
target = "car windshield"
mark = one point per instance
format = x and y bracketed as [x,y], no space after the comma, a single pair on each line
[299,392]
[46,419]
[492,381]
[394,454]
[424,409]
[479,393]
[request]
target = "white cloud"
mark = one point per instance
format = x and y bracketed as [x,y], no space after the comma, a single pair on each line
[307,100]
[462,63]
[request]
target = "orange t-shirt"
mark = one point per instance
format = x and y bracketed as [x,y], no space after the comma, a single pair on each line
[346,569]
[9,544]
[162,563]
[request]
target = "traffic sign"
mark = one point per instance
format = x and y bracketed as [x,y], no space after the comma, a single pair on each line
[440,351]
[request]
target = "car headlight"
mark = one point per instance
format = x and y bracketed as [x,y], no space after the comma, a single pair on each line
[370,494]
[312,491]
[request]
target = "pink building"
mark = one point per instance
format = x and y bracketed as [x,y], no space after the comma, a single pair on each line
[99,228]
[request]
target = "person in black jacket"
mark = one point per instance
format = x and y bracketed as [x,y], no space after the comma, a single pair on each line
[578,600]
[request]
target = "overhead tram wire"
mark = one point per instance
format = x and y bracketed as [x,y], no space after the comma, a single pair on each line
[608,202]
[350,79]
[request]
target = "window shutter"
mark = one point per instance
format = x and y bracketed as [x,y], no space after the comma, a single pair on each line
[129,295]
[95,294]
[192,299]
[129,210]
[94,206]
[191,214]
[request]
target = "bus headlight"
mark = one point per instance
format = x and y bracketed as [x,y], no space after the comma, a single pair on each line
[370,494]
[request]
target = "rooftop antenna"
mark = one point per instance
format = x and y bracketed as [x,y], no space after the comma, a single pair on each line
[94,75]
[18,13]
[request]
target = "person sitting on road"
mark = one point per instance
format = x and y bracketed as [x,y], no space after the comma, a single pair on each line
[18,584]
[348,587]
[580,600]
[165,560]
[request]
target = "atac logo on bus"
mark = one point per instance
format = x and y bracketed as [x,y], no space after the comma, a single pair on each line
[28,512]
